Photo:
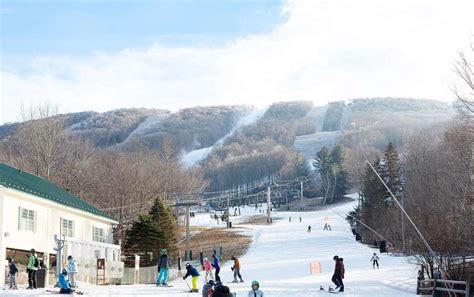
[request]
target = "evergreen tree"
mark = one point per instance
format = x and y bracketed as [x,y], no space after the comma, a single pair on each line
[166,223]
[329,164]
[391,173]
[152,232]
[142,237]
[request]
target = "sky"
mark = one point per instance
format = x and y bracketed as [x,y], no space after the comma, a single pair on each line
[102,55]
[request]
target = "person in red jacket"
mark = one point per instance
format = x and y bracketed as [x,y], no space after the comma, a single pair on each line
[338,274]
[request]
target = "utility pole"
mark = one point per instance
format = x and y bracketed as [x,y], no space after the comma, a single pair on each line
[286,197]
[403,226]
[187,258]
[302,198]
[228,214]
[269,207]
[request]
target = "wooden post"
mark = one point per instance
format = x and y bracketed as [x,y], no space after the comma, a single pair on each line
[186,258]
[269,207]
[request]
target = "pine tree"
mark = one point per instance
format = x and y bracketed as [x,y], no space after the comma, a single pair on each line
[166,223]
[152,232]
[143,237]
[391,173]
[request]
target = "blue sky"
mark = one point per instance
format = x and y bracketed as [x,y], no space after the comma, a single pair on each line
[33,28]
[103,55]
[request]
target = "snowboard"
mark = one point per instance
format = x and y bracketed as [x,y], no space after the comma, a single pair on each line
[57,293]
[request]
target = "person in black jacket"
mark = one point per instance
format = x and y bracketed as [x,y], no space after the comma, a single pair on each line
[338,274]
[163,266]
[13,272]
[191,271]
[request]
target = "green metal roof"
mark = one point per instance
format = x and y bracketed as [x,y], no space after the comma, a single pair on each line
[16,179]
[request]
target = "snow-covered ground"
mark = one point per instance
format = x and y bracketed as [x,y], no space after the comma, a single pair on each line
[280,257]
[193,157]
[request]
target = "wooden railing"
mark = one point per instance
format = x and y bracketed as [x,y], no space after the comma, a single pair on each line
[433,286]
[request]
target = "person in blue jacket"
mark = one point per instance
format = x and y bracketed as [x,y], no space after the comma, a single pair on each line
[217,267]
[64,283]
[163,267]
[191,271]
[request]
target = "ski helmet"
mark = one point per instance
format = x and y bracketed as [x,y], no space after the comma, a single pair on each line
[255,283]
[335,257]
[164,251]
[64,272]
[188,264]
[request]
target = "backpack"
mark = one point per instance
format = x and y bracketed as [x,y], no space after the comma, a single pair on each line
[36,263]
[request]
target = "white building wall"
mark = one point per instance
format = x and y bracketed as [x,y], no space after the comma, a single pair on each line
[48,223]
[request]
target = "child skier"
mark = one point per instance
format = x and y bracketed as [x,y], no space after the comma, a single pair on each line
[163,267]
[206,265]
[375,261]
[13,272]
[64,283]
[217,267]
[338,275]
[72,270]
[236,270]
[255,292]
[191,271]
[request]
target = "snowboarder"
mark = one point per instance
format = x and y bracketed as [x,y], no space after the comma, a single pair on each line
[236,270]
[255,292]
[375,261]
[207,267]
[12,273]
[309,229]
[327,227]
[163,267]
[338,275]
[64,283]
[72,270]
[217,267]
[191,271]
[31,268]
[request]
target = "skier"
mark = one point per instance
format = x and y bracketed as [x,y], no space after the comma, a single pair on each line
[64,283]
[300,220]
[191,271]
[163,266]
[217,267]
[13,272]
[255,292]
[72,270]
[309,229]
[31,268]
[236,270]
[338,275]
[375,261]
[289,219]
[207,267]
[327,227]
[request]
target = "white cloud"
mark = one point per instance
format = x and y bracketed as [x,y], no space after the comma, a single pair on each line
[326,50]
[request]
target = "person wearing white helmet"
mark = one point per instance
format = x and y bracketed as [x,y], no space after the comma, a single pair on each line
[255,292]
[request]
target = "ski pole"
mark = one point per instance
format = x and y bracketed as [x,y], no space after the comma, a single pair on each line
[187,284]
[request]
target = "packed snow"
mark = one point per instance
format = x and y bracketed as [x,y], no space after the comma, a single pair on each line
[279,258]
[193,157]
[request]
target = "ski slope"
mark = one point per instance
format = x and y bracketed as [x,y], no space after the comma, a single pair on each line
[279,258]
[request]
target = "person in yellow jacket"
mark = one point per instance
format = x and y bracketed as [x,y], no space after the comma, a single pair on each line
[236,269]
[31,268]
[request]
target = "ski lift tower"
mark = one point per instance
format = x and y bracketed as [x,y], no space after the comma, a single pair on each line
[187,204]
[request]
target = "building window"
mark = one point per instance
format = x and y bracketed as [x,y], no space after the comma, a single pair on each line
[27,219]
[67,228]
[98,234]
